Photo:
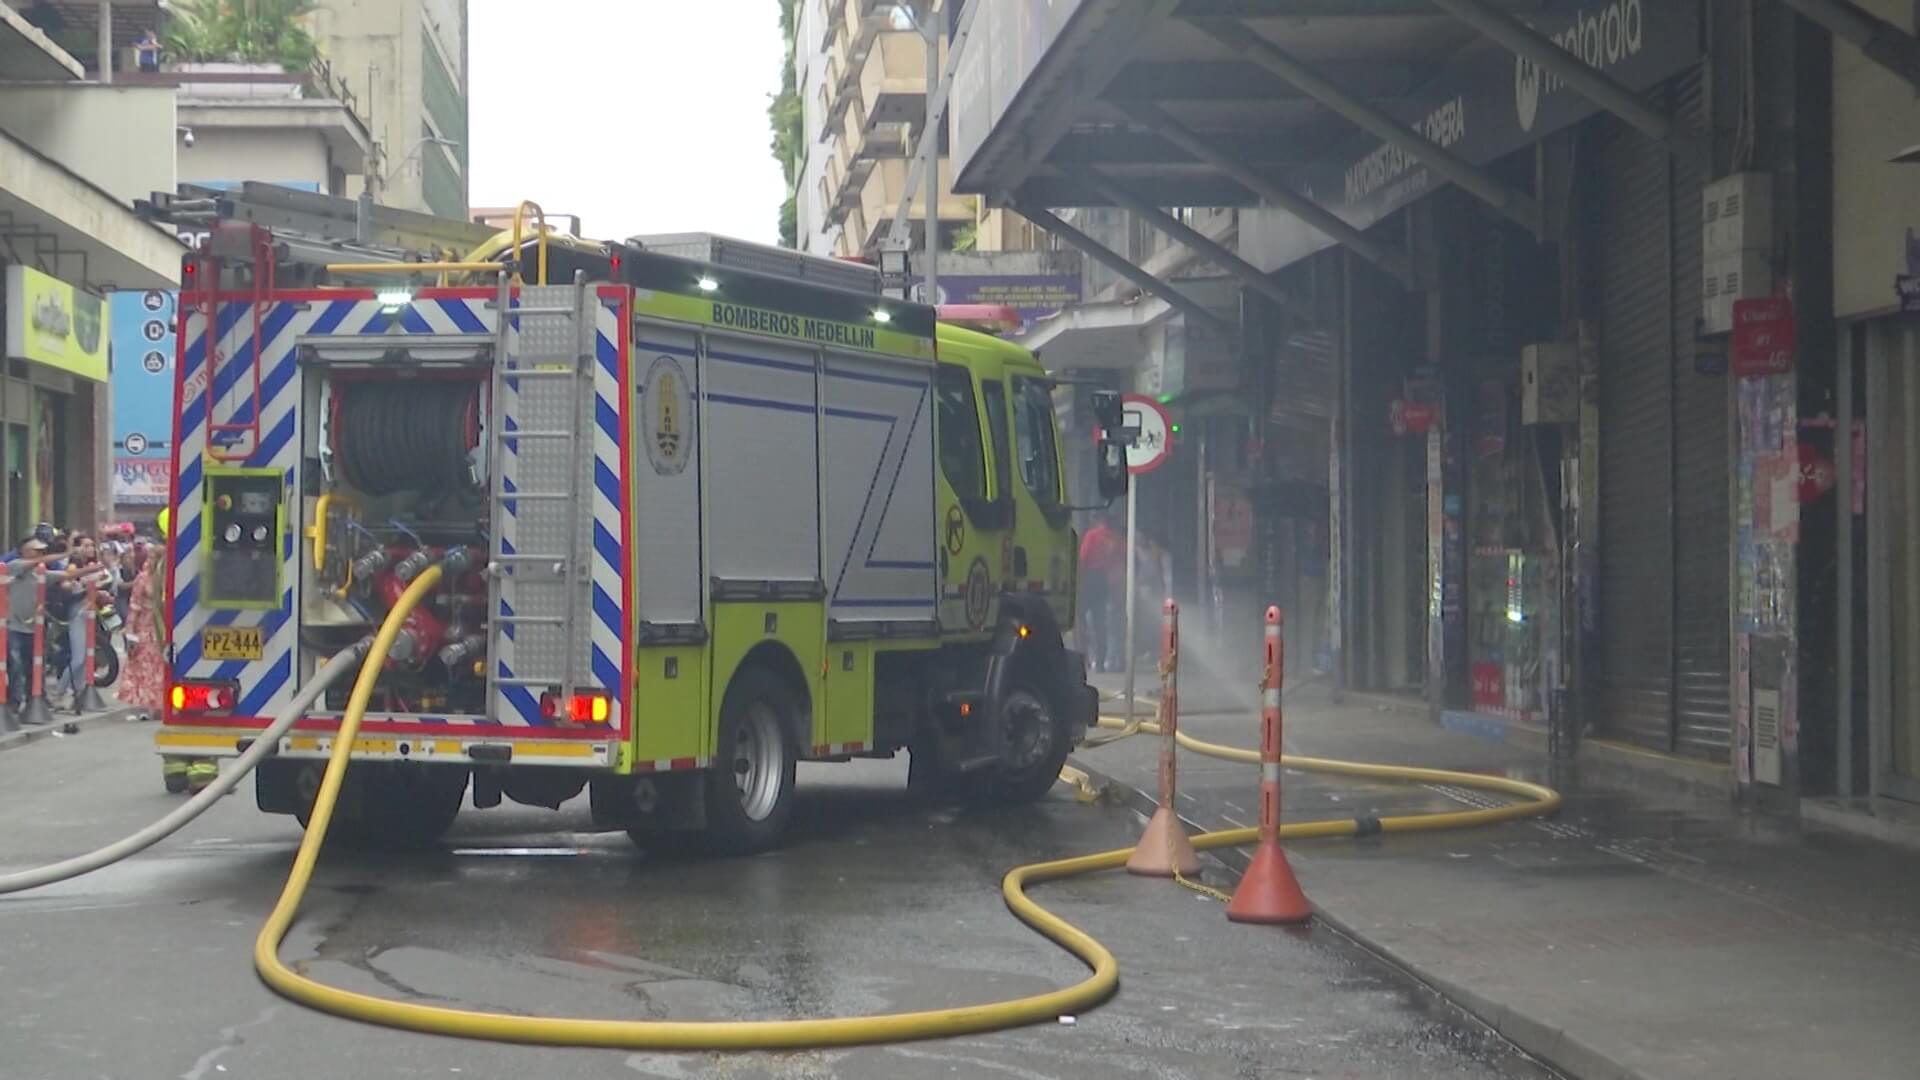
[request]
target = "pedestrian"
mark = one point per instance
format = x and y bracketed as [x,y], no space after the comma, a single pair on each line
[144,685]
[147,49]
[23,607]
[1101,553]
[70,606]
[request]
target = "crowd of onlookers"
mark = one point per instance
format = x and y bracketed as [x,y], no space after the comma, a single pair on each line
[70,582]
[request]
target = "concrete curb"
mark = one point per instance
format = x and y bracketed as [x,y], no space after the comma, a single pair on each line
[1551,1045]
[66,725]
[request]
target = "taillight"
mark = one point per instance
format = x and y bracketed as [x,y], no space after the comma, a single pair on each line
[588,708]
[205,697]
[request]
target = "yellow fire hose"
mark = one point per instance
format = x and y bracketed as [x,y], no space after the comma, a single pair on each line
[795,1034]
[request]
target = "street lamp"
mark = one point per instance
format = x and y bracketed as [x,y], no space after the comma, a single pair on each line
[430,140]
[915,17]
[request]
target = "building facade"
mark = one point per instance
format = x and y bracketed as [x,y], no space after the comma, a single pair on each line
[76,149]
[406,63]
[1547,367]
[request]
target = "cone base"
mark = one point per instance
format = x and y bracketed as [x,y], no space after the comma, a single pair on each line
[37,712]
[1268,892]
[1164,849]
[88,700]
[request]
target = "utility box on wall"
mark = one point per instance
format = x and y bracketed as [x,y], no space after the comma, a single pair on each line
[1737,246]
[1550,384]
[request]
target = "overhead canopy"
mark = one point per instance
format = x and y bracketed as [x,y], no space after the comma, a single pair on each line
[56,221]
[1336,111]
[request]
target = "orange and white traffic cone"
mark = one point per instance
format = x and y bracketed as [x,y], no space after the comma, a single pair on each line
[1268,892]
[1164,850]
[37,712]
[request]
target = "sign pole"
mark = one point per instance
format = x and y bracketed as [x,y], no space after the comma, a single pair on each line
[1131,504]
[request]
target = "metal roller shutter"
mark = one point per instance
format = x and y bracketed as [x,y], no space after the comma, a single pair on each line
[1636,437]
[1701,660]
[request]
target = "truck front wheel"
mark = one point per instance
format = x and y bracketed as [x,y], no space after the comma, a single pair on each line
[1036,742]
[750,790]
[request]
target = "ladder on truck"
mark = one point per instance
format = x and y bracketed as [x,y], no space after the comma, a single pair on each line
[540,468]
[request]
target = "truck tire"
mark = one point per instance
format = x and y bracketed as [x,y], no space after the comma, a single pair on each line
[1037,741]
[399,807]
[750,789]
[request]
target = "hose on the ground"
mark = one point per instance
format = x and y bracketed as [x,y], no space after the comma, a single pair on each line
[795,1034]
[265,743]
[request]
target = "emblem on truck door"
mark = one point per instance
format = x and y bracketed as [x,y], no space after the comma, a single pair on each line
[979,593]
[956,531]
[668,409]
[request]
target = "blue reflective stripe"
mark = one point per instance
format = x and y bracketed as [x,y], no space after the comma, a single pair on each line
[605,669]
[855,414]
[224,321]
[243,357]
[606,607]
[759,403]
[276,676]
[608,484]
[605,545]
[413,322]
[608,417]
[659,347]
[608,354]
[463,316]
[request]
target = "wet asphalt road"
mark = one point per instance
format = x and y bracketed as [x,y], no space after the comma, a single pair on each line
[879,904]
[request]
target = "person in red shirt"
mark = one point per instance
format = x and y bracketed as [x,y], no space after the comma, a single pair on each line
[1103,554]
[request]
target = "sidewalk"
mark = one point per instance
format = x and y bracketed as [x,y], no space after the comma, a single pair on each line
[1639,933]
[67,723]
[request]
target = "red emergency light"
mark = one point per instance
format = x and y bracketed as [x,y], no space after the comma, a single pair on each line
[204,697]
[986,318]
[590,707]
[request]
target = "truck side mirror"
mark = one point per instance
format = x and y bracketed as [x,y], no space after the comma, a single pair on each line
[1111,467]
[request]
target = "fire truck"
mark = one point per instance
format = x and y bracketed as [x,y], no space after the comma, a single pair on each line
[704,510]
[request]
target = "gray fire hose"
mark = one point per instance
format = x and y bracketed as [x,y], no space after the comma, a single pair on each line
[264,745]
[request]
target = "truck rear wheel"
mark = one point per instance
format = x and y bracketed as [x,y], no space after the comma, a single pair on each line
[394,807]
[750,790]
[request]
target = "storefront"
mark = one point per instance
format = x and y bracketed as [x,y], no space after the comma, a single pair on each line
[53,400]
[1875,750]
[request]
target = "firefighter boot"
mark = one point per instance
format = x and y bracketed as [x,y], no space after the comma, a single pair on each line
[201,772]
[173,770]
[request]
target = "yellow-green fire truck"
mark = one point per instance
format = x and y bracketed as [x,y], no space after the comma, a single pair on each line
[704,510]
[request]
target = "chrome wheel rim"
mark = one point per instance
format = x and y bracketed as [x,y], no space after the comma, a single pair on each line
[758,771]
[1029,729]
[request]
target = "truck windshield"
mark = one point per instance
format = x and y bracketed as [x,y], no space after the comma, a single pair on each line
[960,457]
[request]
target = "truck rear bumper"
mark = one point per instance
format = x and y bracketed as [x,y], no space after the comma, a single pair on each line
[489,749]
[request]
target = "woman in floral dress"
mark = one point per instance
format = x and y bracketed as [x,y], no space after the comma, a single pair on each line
[145,682]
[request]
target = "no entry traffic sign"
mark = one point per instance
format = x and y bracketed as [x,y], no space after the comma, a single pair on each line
[1150,433]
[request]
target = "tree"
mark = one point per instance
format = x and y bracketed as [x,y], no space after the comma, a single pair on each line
[788,121]
[241,31]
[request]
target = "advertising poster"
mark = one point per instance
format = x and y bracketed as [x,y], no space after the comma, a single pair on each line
[142,396]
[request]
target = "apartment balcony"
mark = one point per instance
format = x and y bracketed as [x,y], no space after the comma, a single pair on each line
[880,197]
[224,102]
[893,79]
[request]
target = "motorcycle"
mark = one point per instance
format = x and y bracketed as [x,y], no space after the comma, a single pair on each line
[106,659]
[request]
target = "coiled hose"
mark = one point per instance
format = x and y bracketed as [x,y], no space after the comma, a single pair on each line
[390,437]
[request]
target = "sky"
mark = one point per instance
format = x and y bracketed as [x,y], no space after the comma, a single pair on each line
[641,116]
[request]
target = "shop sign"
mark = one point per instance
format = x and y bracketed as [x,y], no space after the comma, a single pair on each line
[1032,296]
[140,482]
[1764,336]
[1412,417]
[50,322]
[1817,472]
[1489,685]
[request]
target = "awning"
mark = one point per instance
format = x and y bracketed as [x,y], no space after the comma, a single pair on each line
[59,223]
[1332,113]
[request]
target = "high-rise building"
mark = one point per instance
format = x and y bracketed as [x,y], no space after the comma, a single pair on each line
[406,63]
[861,69]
